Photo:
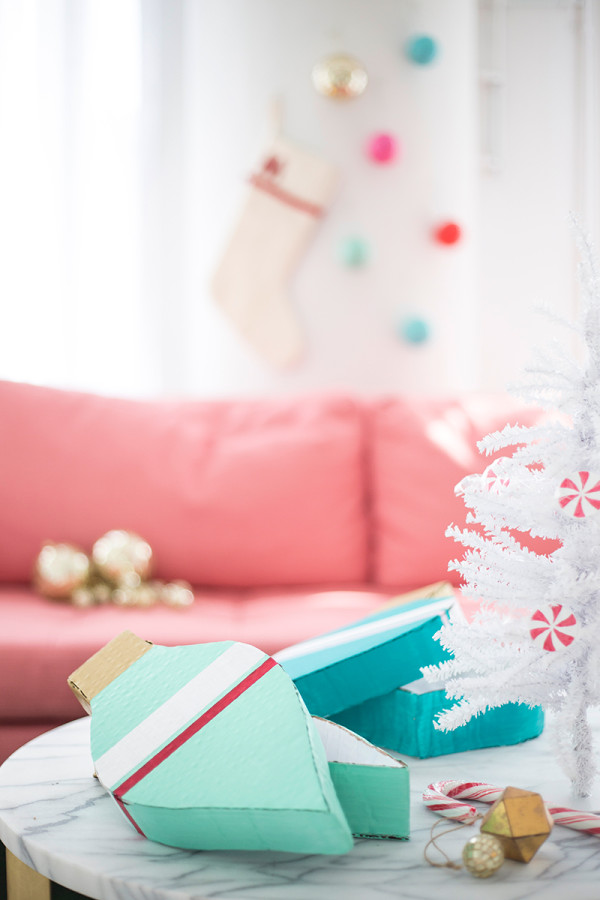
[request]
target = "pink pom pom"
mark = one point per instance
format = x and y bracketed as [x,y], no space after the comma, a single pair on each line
[382,147]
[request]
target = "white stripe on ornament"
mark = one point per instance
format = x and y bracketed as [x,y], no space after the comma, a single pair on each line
[172,716]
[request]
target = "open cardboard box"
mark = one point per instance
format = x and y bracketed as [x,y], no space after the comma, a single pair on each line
[373,656]
[367,677]
[210,746]
[403,721]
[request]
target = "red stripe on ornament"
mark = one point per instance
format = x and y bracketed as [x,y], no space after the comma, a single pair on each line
[568,483]
[584,477]
[579,513]
[206,717]
[565,639]
[129,816]
[570,620]
[548,645]
[564,501]
[535,632]
[539,616]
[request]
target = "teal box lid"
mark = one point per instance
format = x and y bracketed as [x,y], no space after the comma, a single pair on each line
[402,720]
[373,656]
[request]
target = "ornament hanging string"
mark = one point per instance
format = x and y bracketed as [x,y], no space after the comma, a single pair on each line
[443,797]
[433,838]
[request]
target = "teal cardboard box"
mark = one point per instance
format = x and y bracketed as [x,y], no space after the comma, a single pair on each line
[402,720]
[367,677]
[373,656]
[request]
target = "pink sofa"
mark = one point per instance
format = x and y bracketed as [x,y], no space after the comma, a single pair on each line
[289,516]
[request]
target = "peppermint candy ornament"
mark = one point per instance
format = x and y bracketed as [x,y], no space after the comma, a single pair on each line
[553,627]
[579,494]
[493,478]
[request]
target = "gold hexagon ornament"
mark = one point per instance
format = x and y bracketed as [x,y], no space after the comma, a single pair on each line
[520,821]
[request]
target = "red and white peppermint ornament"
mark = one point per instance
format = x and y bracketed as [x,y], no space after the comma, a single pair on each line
[492,478]
[554,627]
[579,494]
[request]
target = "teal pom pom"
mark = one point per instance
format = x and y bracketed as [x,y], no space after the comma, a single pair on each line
[421,49]
[414,330]
[354,251]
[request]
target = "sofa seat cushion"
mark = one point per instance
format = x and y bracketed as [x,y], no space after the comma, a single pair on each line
[43,641]
[228,493]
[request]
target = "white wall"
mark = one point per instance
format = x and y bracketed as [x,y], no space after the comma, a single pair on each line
[539,123]
[239,55]
[123,182]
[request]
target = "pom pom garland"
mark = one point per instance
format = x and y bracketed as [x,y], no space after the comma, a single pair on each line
[382,148]
[421,49]
[448,233]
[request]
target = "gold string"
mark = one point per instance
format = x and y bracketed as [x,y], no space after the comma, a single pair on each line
[449,864]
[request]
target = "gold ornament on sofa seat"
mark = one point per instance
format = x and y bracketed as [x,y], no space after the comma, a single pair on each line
[116,572]
[123,558]
[61,569]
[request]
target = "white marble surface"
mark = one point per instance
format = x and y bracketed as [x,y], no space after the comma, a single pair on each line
[57,818]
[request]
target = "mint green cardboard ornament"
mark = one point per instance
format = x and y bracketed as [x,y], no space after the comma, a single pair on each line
[209,746]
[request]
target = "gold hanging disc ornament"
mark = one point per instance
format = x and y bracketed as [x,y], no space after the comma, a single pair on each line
[340,77]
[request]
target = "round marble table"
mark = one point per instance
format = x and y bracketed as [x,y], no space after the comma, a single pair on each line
[56,818]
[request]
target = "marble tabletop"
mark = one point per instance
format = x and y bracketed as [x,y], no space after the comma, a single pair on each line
[58,819]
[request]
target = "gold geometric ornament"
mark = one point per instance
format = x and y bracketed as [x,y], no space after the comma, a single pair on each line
[520,821]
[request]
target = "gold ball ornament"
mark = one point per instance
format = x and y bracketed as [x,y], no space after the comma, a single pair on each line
[483,855]
[82,597]
[123,558]
[177,593]
[61,569]
[340,77]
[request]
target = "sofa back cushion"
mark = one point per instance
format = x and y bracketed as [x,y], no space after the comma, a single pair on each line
[231,493]
[421,448]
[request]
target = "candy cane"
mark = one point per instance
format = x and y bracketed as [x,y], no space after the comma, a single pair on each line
[441,797]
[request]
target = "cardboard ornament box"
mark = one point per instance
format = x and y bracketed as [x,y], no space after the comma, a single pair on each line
[403,721]
[367,677]
[210,746]
[373,656]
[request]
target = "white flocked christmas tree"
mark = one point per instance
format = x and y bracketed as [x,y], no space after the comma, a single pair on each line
[536,638]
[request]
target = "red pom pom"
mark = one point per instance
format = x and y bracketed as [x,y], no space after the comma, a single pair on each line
[448,233]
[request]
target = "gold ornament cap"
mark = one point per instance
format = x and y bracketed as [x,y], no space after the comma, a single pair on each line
[105,665]
[520,821]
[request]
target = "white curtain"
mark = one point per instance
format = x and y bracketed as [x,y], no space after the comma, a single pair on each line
[71,216]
